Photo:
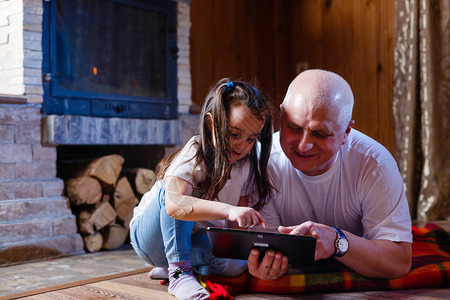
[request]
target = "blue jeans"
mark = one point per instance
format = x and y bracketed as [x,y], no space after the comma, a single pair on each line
[160,239]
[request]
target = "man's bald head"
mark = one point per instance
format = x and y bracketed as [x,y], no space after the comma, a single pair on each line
[319,89]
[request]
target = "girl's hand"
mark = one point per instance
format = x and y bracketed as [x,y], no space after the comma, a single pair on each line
[245,217]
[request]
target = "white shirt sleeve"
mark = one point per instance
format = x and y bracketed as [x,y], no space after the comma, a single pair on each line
[384,205]
[183,165]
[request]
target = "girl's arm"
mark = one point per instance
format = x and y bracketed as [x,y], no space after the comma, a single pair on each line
[180,205]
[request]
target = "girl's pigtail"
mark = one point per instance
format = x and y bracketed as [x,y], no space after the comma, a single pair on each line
[214,140]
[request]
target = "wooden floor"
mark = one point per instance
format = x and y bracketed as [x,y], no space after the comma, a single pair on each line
[136,285]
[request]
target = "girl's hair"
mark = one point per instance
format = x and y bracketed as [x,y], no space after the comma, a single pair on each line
[222,97]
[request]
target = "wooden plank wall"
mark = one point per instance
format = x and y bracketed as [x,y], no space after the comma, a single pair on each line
[271,40]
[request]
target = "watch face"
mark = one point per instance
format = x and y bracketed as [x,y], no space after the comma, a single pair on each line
[343,245]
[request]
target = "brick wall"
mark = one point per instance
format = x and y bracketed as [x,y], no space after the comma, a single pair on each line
[35,220]
[183,65]
[11,43]
[27,169]
[20,48]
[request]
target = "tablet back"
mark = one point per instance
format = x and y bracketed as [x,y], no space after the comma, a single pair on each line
[236,244]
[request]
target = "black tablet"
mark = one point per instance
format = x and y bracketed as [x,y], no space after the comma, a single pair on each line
[236,244]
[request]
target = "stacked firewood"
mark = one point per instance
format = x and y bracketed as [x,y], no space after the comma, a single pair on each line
[103,197]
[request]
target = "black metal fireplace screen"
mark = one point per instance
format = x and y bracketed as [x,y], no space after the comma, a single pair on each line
[110,58]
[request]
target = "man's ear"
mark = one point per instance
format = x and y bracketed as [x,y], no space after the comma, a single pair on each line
[347,131]
[281,109]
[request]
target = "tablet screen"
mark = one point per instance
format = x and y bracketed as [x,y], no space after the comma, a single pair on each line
[236,244]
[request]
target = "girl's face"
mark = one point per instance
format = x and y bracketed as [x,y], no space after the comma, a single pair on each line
[243,128]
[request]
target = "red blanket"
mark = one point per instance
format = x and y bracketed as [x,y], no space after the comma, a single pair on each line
[430,268]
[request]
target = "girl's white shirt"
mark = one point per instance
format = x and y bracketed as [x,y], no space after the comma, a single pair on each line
[239,184]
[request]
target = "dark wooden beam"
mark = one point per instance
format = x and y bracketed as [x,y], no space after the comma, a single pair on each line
[12,99]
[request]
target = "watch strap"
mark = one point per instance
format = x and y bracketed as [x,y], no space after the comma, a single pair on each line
[340,236]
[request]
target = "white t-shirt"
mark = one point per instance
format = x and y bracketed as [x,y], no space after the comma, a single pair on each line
[362,193]
[183,167]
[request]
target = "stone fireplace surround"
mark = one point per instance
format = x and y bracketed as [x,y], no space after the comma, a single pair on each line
[35,219]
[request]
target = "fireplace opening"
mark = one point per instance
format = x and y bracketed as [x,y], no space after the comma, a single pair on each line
[103,185]
[110,58]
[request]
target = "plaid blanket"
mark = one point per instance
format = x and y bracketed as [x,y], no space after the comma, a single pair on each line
[430,268]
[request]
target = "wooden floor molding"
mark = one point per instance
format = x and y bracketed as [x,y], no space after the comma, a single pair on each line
[75,284]
[135,285]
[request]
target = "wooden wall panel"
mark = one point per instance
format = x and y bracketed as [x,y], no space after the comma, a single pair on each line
[283,70]
[270,40]
[236,39]
[385,33]
[201,49]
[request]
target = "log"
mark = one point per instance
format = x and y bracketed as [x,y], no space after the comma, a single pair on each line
[114,236]
[104,215]
[106,198]
[124,198]
[93,242]
[85,225]
[101,216]
[106,168]
[141,179]
[83,190]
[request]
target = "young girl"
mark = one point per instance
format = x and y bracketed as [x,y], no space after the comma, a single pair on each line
[207,181]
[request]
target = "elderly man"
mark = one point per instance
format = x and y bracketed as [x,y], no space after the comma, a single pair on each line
[334,183]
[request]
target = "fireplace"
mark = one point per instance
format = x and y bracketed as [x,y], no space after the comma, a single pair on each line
[55,108]
[110,58]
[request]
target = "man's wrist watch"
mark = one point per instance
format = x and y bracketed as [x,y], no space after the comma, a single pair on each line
[341,244]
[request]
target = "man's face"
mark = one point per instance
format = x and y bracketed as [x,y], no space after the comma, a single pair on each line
[311,137]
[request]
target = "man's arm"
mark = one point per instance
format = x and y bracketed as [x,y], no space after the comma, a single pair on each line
[371,258]
[378,258]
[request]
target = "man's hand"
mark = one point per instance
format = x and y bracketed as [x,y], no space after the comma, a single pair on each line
[325,237]
[273,265]
[371,258]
